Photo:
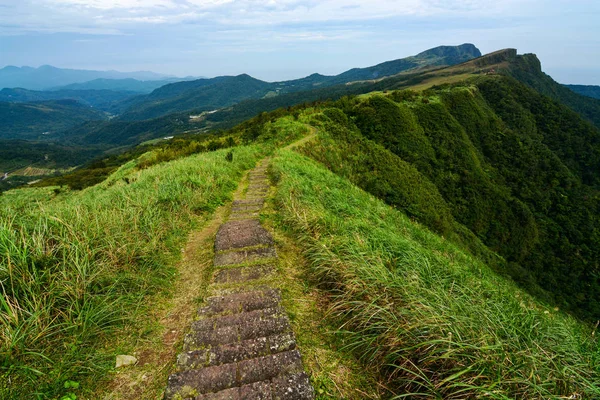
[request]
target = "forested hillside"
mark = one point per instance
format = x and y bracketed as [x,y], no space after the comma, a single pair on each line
[516,169]
[101,99]
[586,90]
[42,120]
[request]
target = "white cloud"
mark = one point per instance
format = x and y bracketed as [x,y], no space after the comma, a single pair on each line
[88,16]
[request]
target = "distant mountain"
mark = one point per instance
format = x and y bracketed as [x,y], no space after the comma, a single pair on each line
[129,84]
[201,95]
[438,56]
[101,99]
[586,90]
[42,120]
[47,76]
[224,91]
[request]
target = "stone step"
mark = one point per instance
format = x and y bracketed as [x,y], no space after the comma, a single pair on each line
[275,368]
[240,234]
[240,302]
[257,192]
[287,387]
[247,202]
[243,216]
[242,274]
[259,185]
[245,317]
[234,352]
[248,328]
[261,254]
[247,208]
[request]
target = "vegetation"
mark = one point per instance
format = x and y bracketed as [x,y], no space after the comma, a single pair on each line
[75,266]
[436,322]
[16,154]
[586,90]
[103,100]
[42,120]
[492,163]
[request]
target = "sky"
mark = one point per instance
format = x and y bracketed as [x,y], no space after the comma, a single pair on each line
[284,39]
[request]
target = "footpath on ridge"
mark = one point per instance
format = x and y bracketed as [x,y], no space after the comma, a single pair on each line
[242,346]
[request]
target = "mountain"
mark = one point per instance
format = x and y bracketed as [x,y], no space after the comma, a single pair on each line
[42,120]
[129,84]
[209,94]
[438,56]
[100,99]
[586,90]
[200,95]
[47,76]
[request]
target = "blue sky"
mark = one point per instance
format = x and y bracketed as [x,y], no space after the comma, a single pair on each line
[283,39]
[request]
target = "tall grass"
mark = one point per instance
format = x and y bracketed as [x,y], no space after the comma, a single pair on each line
[75,267]
[435,321]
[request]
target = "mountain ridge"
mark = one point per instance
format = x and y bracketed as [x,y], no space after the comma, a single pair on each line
[47,76]
[184,96]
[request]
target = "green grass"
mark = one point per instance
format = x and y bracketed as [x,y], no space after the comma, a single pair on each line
[75,267]
[435,322]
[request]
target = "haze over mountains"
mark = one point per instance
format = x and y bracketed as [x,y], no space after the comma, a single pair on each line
[48,77]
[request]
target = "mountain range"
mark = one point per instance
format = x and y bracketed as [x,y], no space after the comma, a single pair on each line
[199,95]
[224,91]
[47,76]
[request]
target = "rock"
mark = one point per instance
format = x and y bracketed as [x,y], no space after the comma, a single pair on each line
[124,361]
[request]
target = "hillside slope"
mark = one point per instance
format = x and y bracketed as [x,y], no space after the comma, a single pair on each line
[586,90]
[516,169]
[42,120]
[101,99]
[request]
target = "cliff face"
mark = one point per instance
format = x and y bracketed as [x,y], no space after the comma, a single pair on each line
[496,57]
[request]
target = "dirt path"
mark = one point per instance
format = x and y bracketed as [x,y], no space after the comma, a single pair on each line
[306,139]
[242,346]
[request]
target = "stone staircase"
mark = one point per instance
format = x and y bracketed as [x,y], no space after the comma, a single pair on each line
[242,346]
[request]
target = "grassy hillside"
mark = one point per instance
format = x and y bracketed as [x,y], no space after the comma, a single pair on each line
[42,120]
[492,162]
[435,322]
[76,266]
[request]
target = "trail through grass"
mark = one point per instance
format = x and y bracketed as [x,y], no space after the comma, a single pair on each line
[76,267]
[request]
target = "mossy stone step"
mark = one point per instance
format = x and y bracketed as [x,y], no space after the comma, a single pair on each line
[235,352]
[239,257]
[240,234]
[240,302]
[247,202]
[288,387]
[191,383]
[243,274]
[248,328]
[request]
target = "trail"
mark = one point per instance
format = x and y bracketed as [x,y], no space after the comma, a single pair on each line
[242,346]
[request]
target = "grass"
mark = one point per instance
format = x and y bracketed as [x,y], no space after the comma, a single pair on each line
[75,267]
[434,321]
[334,372]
